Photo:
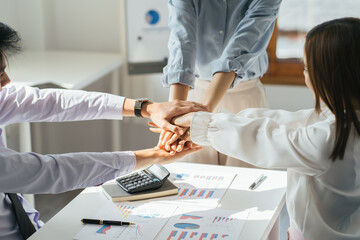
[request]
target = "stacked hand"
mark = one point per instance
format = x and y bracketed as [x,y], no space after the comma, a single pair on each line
[164,114]
[172,120]
[174,142]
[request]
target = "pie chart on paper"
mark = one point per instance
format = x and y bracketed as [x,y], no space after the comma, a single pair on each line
[186,225]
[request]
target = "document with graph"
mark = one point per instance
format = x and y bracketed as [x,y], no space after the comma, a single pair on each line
[209,224]
[148,217]
[205,188]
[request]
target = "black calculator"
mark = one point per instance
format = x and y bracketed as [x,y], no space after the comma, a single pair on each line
[151,177]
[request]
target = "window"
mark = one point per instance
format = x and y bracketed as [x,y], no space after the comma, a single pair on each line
[296,18]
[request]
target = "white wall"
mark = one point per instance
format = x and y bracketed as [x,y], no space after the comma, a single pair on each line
[289,98]
[80,25]
[83,25]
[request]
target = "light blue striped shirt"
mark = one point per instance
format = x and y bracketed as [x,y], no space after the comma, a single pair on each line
[209,36]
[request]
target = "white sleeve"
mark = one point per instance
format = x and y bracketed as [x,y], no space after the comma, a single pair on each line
[28,104]
[264,142]
[54,173]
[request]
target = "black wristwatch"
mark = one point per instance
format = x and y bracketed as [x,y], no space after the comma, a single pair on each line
[138,105]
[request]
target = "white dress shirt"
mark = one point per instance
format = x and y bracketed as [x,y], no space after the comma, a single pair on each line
[322,196]
[54,173]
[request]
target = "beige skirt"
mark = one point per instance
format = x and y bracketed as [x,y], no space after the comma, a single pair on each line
[247,94]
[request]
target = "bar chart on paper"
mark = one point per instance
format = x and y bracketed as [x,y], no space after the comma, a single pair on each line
[205,188]
[141,214]
[204,225]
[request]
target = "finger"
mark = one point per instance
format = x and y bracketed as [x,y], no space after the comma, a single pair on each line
[174,146]
[172,152]
[187,151]
[153,124]
[155,130]
[180,110]
[180,146]
[169,146]
[186,136]
[173,139]
[190,144]
[166,138]
[173,128]
[195,105]
[161,137]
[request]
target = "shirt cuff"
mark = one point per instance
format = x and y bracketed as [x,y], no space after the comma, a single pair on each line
[114,107]
[126,162]
[199,128]
[226,65]
[221,65]
[181,77]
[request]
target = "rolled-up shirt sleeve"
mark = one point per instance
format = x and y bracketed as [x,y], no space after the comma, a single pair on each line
[181,44]
[55,173]
[247,46]
[264,142]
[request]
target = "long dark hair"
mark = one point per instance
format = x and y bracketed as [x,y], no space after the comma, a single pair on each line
[332,54]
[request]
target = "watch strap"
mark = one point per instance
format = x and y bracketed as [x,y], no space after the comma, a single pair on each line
[138,107]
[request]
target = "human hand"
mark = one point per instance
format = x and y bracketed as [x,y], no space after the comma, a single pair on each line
[160,156]
[173,142]
[162,113]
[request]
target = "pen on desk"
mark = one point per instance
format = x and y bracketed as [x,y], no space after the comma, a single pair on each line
[257,182]
[107,222]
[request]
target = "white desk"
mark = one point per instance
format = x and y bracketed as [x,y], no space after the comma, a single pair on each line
[62,69]
[268,198]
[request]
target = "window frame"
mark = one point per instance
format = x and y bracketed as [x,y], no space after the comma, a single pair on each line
[282,71]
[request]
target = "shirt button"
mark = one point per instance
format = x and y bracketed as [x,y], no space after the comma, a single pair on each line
[221,32]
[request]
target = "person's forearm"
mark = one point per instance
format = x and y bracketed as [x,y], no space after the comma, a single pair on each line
[178,92]
[128,108]
[219,85]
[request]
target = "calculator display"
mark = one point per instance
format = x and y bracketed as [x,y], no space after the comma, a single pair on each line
[158,172]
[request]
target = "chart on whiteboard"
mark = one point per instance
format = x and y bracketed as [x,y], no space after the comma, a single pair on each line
[142,214]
